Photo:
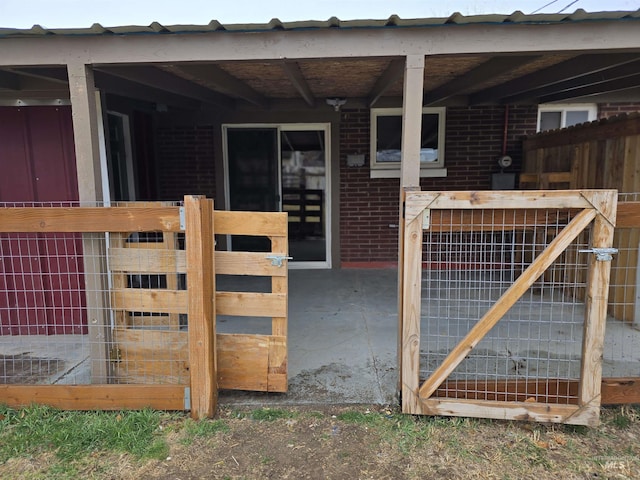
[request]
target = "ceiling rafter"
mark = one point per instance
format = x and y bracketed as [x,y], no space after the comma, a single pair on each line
[614,85]
[615,73]
[161,80]
[489,69]
[573,68]
[292,69]
[9,80]
[393,73]
[125,88]
[216,78]
[52,74]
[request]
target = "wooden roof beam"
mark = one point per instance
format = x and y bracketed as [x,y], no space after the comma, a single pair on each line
[125,88]
[9,80]
[161,80]
[615,73]
[573,68]
[625,83]
[51,74]
[292,69]
[220,80]
[393,73]
[487,70]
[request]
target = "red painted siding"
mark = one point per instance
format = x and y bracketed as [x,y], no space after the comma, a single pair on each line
[41,279]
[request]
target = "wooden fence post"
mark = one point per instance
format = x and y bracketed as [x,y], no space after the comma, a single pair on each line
[199,245]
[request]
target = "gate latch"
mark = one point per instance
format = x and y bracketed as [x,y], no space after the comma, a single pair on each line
[602,254]
[276,260]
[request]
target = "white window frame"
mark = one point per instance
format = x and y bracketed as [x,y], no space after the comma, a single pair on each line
[563,108]
[392,169]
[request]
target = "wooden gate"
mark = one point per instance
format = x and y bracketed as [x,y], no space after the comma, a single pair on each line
[150,302]
[424,211]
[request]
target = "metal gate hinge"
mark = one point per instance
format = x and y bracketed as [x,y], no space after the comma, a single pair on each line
[602,254]
[183,222]
[187,398]
[276,260]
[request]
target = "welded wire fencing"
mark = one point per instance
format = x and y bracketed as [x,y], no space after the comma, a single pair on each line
[466,273]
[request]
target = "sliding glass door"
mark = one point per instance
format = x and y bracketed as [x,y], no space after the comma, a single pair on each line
[283,168]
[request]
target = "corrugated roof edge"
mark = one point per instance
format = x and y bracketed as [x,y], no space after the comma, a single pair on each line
[516,17]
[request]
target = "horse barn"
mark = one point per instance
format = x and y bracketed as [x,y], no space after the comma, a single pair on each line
[440,213]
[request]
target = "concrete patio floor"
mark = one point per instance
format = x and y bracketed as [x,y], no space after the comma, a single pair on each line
[343,328]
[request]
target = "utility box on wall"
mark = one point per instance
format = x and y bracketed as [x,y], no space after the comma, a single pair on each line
[503,181]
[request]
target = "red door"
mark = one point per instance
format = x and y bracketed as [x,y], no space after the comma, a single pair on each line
[41,284]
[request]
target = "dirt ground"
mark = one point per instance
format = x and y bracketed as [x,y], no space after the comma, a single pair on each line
[374,443]
[360,442]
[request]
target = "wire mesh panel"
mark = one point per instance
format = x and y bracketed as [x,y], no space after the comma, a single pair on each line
[468,265]
[75,310]
[79,308]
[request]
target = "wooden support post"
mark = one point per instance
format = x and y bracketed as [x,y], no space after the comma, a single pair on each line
[412,121]
[84,109]
[410,170]
[87,149]
[201,290]
[589,395]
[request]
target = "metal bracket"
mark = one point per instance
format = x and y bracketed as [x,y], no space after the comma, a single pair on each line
[602,254]
[183,221]
[276,260]
[187,398]
[426,218]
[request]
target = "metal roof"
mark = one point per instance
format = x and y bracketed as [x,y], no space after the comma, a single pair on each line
[393,21]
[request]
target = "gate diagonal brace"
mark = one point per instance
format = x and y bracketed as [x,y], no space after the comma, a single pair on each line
[602,254]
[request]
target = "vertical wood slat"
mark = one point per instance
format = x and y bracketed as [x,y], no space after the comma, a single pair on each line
[411,296]
[589,394]
[201,289]
[278,355]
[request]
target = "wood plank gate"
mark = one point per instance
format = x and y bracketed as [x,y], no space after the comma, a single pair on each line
[426,211]
[150,302]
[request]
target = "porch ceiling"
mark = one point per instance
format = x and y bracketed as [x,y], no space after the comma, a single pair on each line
[516,75]
[449,80]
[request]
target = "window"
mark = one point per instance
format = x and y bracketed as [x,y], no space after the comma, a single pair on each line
[386,139]
[552,117]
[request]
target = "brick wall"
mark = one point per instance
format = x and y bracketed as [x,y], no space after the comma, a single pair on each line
[368,206]
[185,157]
[606,110]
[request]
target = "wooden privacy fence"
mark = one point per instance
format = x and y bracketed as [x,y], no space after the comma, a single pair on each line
[509,398]
[151,321]
[603,154]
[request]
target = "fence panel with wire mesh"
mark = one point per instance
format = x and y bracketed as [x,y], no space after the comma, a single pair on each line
[540,336]
[93,297]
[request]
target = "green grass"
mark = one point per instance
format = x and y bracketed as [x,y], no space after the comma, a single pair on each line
[271,414]
[71,436]
[202,429]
